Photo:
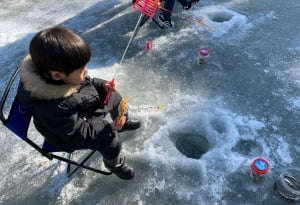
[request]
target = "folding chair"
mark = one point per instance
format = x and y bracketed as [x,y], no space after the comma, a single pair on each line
[18,121]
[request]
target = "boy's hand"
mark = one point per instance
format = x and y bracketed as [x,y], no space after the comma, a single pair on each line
[110,86]
[118,126]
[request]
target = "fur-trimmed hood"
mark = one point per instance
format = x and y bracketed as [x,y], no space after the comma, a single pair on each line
[38,87]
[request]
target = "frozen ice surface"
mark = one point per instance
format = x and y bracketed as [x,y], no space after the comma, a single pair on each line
[244,103]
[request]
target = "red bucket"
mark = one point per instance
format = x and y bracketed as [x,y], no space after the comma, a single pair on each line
[147,7]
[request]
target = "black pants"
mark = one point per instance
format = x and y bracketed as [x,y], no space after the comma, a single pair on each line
[111,146]
[110,149]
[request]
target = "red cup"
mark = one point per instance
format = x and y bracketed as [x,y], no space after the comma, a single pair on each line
[148,45]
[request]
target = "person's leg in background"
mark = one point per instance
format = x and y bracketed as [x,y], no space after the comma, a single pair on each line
[165,16]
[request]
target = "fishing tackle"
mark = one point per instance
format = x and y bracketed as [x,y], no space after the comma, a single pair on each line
[146,7]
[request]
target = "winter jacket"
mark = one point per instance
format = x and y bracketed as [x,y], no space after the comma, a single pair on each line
[69,117]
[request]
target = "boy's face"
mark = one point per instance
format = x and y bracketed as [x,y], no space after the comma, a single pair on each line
[76,77]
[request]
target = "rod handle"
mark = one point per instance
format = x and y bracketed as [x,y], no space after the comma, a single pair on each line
[112,83]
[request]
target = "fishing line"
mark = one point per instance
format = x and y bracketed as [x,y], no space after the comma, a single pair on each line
[112,82]
[146,7]
[186,17]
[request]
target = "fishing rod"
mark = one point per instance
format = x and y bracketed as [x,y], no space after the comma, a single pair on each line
[183,16]
[146,7]
[112,82]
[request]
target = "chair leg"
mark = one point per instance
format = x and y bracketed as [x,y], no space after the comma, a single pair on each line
[69,164]
[146,18]
[155,21]
[81,165]
[69,172]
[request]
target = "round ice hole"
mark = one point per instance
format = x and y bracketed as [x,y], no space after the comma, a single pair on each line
[191,145]
[220,16]
[218,126]
[247,147]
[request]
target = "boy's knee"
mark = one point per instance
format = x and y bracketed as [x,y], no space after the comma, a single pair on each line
[112,149]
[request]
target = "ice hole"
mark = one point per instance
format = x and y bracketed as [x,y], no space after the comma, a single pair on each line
[218,126]
[247,147]
[191,145]
[221,16]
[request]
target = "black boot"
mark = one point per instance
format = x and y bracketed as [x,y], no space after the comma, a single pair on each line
[190,4]
[119,167]
[131,125]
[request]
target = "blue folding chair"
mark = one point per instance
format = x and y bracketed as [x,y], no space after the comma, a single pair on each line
[18,121]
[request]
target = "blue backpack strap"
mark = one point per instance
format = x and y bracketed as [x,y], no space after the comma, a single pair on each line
[18,120]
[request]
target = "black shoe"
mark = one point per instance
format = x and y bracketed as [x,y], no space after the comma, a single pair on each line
[122,170]
[165,22]
[131,125]
[190,4]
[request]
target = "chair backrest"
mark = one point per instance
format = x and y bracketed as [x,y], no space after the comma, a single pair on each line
[19,118]
[5,94]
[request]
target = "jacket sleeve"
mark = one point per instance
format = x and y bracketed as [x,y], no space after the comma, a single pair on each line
[66,124]
[99,84]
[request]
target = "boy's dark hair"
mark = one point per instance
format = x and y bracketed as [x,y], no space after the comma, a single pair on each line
[58,49]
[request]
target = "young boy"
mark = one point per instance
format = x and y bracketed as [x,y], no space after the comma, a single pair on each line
[66,104]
